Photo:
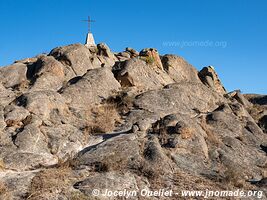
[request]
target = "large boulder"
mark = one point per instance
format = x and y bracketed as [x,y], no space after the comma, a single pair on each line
[117,181]
[14,115]
[90,89]
[64,140]
[178,69]
[146,122]
[210,78]
[113,154]
[257,99]
[42,104]
[16,185]
[6,95]
[151,56]
[236,95]
[132,51]
[47,74]
[179,97]
[122,56]
[103,50]
[138,73]
[75,58]
[106,57]
[258,109]
[127,54]
[263,123]
[13,75]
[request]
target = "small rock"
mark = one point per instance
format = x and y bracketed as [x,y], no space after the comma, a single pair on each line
[151,57]
[133,52]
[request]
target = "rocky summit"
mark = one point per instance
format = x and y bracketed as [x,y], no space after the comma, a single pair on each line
[82,120]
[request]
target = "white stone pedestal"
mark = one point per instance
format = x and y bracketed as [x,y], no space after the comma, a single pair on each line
[90,40]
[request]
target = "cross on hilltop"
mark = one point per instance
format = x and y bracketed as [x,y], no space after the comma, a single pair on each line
[90,42]
[89,23]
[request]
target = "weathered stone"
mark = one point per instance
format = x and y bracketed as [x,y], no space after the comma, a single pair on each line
[41,103]
[132,51]
[210,78]
[124,54]
[121,58]
[136,72]
[114,154]
[106,57]
[48,74]
[22,161]
[67,126]
[75,58]
[257,99]
[258,109]
[13,75]
[103,50]
[113,181]
[152,57]
[15,115]
[64,140]
[182,97]
[91,88]
[263,123]
[17,184]
[31,140]
[178,69]
[6,95]
[27,60]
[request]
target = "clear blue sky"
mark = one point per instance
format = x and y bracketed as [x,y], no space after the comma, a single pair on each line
[235,32]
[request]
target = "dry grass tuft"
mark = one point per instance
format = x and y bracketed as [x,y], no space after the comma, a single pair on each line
[122,100]
[54,180]
[2,165]
[105,119]
[234,177]
[211,137]
[77,195]
[4,192]
[186,132]
[148,59]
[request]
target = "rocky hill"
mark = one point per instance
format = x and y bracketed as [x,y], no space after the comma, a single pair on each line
[80,119]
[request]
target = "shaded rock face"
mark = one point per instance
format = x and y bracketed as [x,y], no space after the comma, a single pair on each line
[258,109]
[83,118]
[47,73]
[210,78]
[263,123]
[106,57]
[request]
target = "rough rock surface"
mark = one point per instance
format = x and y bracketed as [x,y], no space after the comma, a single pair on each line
[76,59]
[258,109]
[210,78]
[178,69]
[80,119]
[151,55]
[136,72]
[13,75]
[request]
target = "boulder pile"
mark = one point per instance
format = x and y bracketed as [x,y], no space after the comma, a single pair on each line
[79,119]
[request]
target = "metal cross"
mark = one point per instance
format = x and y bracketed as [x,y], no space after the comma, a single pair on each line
[89,23]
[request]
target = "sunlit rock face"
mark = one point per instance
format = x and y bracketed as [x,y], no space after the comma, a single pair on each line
[84,118]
